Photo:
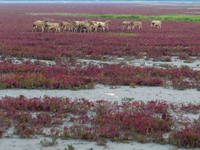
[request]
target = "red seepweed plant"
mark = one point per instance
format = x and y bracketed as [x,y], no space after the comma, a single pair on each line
[99,121]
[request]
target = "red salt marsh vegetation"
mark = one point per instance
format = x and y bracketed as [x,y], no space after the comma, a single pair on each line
[99,121]
[32,76]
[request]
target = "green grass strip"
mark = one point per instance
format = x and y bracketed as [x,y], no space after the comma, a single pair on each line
[192,18]
[166,17]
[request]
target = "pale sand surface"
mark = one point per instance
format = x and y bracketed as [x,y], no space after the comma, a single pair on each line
[115,93]
[34,144]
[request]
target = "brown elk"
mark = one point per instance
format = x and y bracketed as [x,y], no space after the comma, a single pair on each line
[68,25]
[104,25]
[77,25]
[137,23]
[157,23]
[88,26]
[127,24]
[56,26]
[41,24]
[83,25]
[95,25]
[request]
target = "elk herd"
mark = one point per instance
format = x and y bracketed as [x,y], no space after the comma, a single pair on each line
[88,25]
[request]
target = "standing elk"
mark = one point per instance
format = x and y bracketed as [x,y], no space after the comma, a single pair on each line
[56,26]
[157,23]
[41,24]
[83,26]
[104,25]
[77,25]
[137,23]
[96,25]
[68,25]
[127,24]
[87,26]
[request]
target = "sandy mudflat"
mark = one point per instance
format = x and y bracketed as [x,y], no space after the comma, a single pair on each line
[34,144]
[100,92]
[115,93]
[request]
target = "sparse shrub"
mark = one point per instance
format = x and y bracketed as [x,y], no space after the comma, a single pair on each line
[198,88]
[70,147]
[24,131]
[183,56]
[1,133]
[187,61]
[167,59]
[133,85]
[101,142]
[45,142]
[180,84]
[4,85]
[188,137]
[127,99]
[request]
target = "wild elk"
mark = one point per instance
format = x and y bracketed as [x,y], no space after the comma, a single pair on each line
[68,25]
[87,26]
[104,25]
[56,26]
[157,23]
[41,24]
[77,25]
[137,23]
[95,25]
[127,24]
[83,26]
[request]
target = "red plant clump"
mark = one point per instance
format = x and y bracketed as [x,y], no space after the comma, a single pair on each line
[34,76]
[187,137]
[191,108]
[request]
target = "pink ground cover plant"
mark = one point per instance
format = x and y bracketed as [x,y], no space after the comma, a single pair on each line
[191,108]
[66,77]
[98,121]
[187,137]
